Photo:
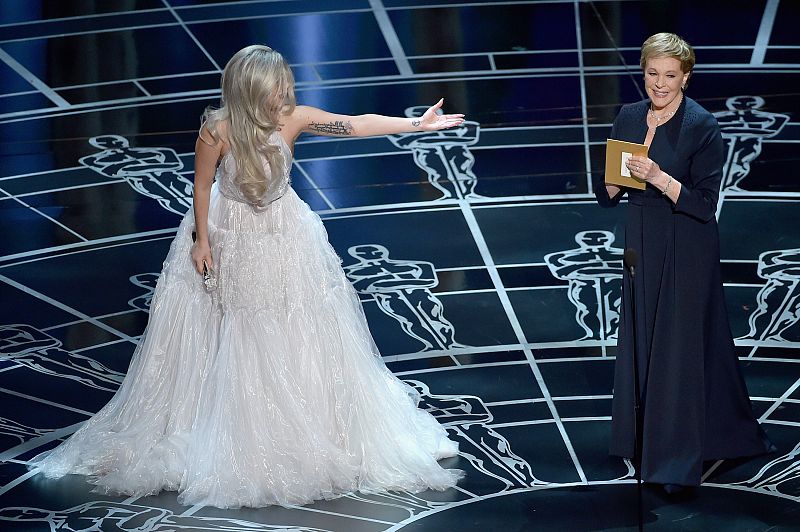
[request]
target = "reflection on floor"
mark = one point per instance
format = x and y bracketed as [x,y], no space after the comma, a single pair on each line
[509,327]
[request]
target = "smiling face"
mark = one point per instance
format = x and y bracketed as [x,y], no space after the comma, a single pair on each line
[663,79]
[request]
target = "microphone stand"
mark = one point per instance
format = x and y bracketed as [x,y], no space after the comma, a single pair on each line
[630,264]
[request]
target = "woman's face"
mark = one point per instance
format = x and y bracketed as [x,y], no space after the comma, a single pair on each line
[663,79]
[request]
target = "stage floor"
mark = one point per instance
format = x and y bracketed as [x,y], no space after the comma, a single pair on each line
[100,103]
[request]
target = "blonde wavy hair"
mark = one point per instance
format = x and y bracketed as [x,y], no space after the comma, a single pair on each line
[257,90]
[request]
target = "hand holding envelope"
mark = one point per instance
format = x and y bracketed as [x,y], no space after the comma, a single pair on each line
[617,154]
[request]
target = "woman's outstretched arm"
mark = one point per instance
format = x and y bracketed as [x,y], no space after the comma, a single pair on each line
[307,119]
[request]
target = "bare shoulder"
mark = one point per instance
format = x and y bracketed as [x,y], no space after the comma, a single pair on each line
[216,136]
[295,122]
[222,131]
[302,112]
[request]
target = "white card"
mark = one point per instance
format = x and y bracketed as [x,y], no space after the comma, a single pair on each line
[624,172]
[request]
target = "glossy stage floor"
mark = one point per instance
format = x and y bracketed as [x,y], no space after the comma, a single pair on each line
[489,276]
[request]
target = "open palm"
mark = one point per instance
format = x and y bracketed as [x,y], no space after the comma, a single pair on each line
[431,121]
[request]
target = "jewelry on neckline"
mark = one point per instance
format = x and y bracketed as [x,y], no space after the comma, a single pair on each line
[665,116]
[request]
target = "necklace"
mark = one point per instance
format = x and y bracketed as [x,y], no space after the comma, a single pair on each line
[659,119]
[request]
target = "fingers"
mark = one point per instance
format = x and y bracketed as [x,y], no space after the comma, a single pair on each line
[199,259]
[642,163]
[198,265]
[637,168]
[445,124]
[451,120]
[434,121]
[646,171]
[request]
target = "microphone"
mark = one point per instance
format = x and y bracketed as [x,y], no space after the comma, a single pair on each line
[629,260]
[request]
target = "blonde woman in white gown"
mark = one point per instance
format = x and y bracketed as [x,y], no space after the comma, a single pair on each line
[269,389]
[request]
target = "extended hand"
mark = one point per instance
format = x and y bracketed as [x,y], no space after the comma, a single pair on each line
[643,168]
[430,121]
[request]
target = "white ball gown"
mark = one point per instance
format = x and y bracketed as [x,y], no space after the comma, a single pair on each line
[268,390]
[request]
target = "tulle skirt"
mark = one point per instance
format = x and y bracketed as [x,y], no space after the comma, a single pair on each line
[269,390]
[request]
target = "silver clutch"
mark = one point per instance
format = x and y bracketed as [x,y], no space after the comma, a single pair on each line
[209,278]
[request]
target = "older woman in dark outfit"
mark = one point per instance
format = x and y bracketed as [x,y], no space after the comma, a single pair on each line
[694,401]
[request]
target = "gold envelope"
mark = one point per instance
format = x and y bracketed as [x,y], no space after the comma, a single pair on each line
[618,151]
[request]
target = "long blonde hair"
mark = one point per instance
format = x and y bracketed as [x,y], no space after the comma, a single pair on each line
[257,89]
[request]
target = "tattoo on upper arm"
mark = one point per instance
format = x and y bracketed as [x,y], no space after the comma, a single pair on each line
[415,123]
[338,127]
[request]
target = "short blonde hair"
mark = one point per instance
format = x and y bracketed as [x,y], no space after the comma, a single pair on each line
[668,45]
